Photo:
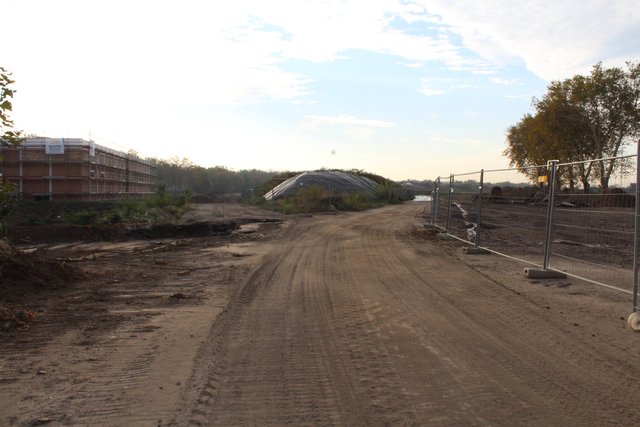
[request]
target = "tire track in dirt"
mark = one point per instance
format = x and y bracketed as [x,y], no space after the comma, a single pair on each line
[338,301]
[351,322]
[458,389]
[302,350]
[206,380]
[520,344]
[217,374]
[442,389]
[578,382]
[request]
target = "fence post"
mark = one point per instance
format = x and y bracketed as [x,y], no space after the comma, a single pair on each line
[553,168]
[451,178]
[479,211]
[636,231]
[434,201]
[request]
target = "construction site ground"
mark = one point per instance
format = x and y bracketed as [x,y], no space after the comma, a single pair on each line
[343,319]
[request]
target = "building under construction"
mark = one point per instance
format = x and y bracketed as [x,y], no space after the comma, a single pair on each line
[74,169]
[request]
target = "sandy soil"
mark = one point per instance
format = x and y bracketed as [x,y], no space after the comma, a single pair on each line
[348,319]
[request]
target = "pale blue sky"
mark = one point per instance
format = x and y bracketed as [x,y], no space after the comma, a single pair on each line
[405,89]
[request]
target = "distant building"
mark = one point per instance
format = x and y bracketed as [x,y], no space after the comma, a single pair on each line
[74,169]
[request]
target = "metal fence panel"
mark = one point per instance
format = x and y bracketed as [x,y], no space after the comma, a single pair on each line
[514,213]
[441,202]
[593,231]
[434,201]
[463,216]
[582,218]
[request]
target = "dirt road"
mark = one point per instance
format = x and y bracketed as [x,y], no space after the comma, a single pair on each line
[357,319]
[353,321]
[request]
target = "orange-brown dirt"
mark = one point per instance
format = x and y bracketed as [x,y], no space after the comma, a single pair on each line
[347,319]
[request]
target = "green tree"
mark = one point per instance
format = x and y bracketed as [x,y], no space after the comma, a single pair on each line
[578,119]
[528,146]
[174,173]
[180,174]
[8,136]
[610,100]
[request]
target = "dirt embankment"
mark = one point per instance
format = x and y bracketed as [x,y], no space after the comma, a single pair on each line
[31,266]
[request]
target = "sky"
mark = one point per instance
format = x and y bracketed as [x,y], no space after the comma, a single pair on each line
[404,89]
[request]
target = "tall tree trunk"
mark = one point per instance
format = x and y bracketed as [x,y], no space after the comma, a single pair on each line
[612,163]
[572,183]
[584,177]
[604,178]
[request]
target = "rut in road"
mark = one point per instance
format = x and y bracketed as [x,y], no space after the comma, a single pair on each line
[350,322]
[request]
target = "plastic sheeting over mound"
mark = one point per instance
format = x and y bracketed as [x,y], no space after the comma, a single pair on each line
[332,181]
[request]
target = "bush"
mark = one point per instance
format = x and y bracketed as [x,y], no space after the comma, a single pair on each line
[7,204]
[162,206]
[361,202]
[84,217]
[308,198]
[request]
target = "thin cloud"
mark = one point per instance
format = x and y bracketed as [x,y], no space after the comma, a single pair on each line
[305,36]
[505,82]
[554,39]
[518,96]
[432,86]
[349,121]
[472,114]
[428,88]
[413,64]
[431,91]
[462,142]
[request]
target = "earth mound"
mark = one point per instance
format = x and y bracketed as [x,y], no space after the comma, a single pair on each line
[333,181]
[23,274]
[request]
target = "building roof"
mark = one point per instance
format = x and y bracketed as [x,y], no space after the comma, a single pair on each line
[42,142]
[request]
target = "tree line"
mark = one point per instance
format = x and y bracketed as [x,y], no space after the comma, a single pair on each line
[580,119]
[181,174]
[177,175]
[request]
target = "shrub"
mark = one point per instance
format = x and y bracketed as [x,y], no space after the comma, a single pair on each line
[7,204]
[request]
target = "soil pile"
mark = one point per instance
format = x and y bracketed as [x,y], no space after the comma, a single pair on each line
[23,275]
[336,182]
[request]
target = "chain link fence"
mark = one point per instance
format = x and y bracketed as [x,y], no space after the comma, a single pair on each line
[580,218]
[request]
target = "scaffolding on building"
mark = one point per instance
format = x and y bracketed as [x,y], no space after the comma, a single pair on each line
[74,169]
